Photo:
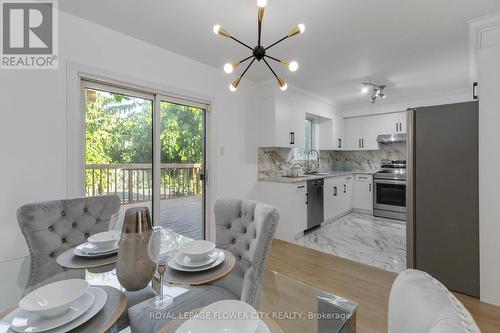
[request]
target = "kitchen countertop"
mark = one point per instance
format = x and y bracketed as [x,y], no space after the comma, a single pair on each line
[300,179]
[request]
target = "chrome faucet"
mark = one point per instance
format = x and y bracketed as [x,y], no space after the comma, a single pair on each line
[308,163]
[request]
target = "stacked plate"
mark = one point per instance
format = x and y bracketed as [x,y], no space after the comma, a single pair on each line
[57,307]
[225,316]
[197,256]
[99,245]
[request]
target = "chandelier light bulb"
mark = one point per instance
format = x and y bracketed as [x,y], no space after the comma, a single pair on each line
[293,66]
[228,68]
[216,29]
[365,89]
[234,86]
[284,87]
[302,28]
[261,3]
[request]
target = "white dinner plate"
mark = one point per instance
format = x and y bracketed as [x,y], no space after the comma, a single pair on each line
[184,260]
[91,251]
[189,326]
[100,298]
[220,258]
[24,321]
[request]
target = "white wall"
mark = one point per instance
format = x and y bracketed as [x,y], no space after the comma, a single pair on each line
[489,160]
[33,119]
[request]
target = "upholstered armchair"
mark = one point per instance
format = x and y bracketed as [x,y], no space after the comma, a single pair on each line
[52,227]
[244,227]
[420,303]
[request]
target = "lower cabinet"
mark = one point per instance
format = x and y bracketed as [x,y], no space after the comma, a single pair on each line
[337,196]
[363,189]
[291,201]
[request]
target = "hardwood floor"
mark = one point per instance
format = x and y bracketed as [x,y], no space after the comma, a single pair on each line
[369,286]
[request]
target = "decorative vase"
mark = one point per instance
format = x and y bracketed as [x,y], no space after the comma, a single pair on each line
[134,268]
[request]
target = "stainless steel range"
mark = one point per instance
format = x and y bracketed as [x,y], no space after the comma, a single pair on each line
[389,195]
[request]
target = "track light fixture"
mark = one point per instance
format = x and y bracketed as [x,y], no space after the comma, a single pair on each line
[259,52]
[377,91]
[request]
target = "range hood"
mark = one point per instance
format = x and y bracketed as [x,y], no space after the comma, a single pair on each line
[388,138]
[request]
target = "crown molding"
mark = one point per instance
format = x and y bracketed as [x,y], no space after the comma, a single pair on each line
[484,32]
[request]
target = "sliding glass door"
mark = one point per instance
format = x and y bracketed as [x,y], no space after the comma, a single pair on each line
[182,189]
[124,131]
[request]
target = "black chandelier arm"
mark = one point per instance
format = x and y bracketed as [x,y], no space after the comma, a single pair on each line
[275,59]
[246,69]
[260,32]
[249,57]
[277,42]
[238,41]
[275,75]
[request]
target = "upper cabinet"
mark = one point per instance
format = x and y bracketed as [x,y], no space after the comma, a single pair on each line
[361,132]
[280,124]
[331,133]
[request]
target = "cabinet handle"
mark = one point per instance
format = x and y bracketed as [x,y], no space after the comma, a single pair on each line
[335,191]
[370,187]
[359,143]
[350,177]
[292,138]
[340,143]
[360,177]
[396,127]
[345,188]
[307,199]
[362,143]
[301,186]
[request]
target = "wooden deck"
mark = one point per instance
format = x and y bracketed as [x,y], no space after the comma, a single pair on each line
[183,215]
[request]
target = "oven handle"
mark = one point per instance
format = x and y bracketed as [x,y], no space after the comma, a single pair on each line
[388,181]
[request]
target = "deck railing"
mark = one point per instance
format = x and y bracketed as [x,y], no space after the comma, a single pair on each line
[134,182]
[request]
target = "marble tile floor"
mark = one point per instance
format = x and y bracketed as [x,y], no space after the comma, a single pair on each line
[363,238]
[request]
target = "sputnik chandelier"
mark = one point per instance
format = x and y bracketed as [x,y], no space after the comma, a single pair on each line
[259,52]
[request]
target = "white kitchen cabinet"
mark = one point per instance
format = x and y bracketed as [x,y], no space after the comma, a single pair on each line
[392,123]
[331,133]
[337,196]
[290,199]
[332,198]
[361,133]
[280,124]
[363,193]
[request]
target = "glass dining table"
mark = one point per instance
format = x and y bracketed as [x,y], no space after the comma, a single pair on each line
[291,305]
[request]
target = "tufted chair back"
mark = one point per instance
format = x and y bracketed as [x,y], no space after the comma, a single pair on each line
[246,228]
[52,227]
[420,303]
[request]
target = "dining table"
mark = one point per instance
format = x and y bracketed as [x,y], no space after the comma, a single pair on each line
[288,304]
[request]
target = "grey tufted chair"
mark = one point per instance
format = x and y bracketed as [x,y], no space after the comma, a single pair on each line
[52,227]
[244,227]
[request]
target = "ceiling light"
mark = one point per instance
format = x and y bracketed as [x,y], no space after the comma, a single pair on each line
[293,66]
[234,86]
[219,31]
[377,91]
[281,83]
[229,68]
[259,52]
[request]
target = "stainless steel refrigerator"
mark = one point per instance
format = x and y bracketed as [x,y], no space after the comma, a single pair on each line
[442,194]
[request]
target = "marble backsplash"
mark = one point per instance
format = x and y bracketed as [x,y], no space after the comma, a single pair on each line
[280,161]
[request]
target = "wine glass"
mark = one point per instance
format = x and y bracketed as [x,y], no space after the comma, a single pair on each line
[162,247]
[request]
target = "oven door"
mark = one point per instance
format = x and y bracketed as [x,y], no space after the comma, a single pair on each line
[390,195]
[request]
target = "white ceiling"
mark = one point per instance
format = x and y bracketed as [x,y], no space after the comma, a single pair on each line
[417,48]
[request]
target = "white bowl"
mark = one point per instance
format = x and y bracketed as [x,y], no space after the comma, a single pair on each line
[54,299]
[227,316]
[106,239]
[197,250]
